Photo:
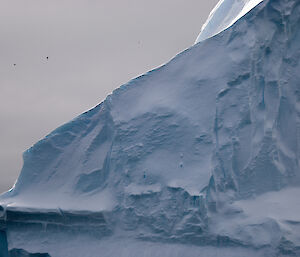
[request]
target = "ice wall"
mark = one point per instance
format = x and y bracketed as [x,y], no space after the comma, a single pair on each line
[3,244]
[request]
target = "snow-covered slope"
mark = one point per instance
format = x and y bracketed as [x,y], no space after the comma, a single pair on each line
[199,157]
[226,13]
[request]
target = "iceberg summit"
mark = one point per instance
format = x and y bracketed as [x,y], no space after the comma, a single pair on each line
[197,158]
[226,13]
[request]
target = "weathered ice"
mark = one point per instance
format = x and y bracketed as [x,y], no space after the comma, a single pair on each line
[198,158]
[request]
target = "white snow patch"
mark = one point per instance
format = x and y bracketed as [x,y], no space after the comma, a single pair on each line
[225,14]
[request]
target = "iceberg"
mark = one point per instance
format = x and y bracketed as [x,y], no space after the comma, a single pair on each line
[199,157]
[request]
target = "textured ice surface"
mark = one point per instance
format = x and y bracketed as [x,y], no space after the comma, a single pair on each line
[199,157]
[226,13]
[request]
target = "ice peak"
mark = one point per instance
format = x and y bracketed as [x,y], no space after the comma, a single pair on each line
[225,13]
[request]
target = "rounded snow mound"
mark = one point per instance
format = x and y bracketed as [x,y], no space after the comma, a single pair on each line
[225,13]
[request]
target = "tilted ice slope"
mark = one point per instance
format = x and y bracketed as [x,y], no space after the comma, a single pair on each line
[203,151]
[226,13]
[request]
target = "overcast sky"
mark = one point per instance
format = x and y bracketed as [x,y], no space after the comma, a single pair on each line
[93,47]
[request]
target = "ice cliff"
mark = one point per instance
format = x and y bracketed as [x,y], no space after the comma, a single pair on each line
[199,157]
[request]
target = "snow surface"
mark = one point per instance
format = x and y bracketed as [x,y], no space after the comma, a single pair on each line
[199,157]
[225,13]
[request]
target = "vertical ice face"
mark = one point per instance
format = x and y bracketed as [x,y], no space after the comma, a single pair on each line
[3,244]
[224,15]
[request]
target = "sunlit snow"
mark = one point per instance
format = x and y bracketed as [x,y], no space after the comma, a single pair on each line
[226,13]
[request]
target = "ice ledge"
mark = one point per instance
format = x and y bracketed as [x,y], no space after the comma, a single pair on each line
[23,253]
[224,15]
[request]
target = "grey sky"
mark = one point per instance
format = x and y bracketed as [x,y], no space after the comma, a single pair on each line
[93,46]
